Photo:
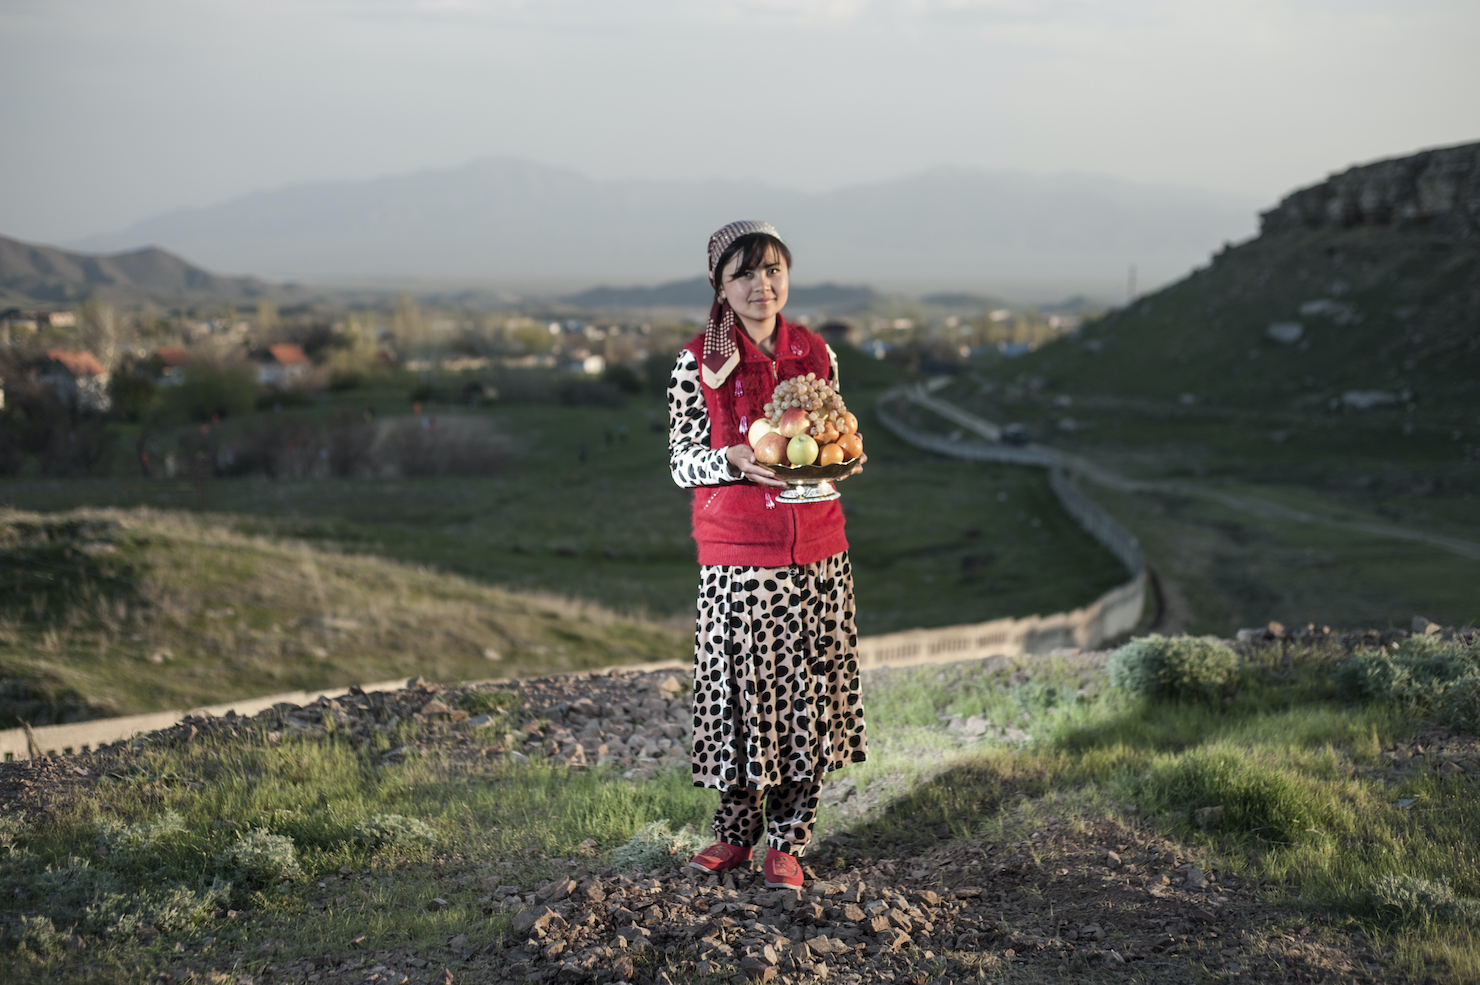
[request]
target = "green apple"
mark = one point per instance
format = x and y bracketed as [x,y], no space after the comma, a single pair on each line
[801,450]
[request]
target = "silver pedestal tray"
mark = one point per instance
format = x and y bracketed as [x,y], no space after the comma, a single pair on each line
[811,483]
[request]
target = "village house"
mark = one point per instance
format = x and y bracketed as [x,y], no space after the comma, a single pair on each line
[77,378]
[31,321]
[283,366]
[172,361]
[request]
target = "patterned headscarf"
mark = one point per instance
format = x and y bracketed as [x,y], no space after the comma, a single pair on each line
[721,355]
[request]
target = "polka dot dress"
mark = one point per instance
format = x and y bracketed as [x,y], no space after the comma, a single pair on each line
[776,694]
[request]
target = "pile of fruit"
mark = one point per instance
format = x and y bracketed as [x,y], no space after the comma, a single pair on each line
[805,424]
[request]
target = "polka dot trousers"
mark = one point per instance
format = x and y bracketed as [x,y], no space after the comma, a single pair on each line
[790,810]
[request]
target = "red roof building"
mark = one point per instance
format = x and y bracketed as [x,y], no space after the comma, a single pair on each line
[78,378]
[78,362]
[288,354]
[283,365]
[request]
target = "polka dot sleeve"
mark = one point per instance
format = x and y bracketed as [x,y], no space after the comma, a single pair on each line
[690,459]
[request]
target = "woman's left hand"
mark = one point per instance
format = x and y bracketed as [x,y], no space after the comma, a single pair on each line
[857,469]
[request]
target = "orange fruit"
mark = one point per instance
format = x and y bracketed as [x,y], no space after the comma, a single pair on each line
[831,454]
[850,423]
[852,445]
[829,434]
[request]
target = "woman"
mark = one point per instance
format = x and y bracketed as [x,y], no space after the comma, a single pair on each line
[776,697]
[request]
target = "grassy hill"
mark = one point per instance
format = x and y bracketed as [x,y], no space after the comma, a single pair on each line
[126,611]
[1190,385]
[1378,309]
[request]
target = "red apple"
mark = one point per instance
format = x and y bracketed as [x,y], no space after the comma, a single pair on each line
[759,429]
[770,448]
[793,423]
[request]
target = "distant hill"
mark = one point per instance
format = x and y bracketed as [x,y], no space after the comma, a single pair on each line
[31,273]
[1372,279]
[510,218]
[959,299]
[692,293]
[696,293]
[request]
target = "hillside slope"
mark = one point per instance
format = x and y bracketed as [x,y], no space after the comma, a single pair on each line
[127,611]
[33,273]
[1378,267]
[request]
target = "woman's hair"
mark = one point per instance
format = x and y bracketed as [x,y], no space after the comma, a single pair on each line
[752,249]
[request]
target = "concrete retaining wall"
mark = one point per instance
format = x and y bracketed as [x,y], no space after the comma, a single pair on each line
[1110,615]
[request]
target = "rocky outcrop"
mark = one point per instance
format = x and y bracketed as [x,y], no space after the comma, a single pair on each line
[1438,188]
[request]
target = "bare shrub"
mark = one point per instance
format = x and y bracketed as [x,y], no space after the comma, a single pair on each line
[447,446]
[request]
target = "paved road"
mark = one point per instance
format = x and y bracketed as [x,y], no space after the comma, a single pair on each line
[1252,505]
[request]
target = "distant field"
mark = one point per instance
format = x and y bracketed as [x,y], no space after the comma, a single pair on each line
[933,542]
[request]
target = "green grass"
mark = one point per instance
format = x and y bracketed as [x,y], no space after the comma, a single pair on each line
[1307,805]
[507,822]
[933,543]
[1221,569]
[1309,810]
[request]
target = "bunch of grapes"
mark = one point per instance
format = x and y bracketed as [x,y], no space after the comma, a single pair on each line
[817,397]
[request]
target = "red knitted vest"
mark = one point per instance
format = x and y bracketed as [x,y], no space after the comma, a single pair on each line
[742,523]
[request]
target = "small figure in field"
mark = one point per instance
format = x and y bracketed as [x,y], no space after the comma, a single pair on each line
[777,703]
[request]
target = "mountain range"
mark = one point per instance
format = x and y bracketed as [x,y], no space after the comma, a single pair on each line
[696,293]
[509,218]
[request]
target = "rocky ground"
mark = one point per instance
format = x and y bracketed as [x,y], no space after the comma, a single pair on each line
[1117,900]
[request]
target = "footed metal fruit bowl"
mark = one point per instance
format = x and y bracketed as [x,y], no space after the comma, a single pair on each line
[810,483]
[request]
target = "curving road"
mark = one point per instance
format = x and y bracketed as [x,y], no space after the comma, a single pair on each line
[988,450]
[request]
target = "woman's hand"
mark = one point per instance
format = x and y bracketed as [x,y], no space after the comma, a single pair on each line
[857,469]
[742,459]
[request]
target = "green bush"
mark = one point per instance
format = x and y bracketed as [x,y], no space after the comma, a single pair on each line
[172,908]
[39,936]
[657,845]
[1423,674]
[489,702]
[131,392]
[116,838]
[211,391]
[393,829]
[259,859]
[139,849]
[76,883]
[1256,798]
[1173,667]
[1410,900]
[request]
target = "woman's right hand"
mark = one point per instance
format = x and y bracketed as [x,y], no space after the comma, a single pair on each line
[742,460]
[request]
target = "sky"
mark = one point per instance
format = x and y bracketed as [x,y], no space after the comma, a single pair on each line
[114,110]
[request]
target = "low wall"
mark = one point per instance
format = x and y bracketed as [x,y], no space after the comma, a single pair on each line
[1112,614]
[83,736]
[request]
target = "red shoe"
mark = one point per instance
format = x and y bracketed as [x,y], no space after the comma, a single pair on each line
[720,858]
[783,871]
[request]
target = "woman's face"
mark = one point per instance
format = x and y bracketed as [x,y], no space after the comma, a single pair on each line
[756,295]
